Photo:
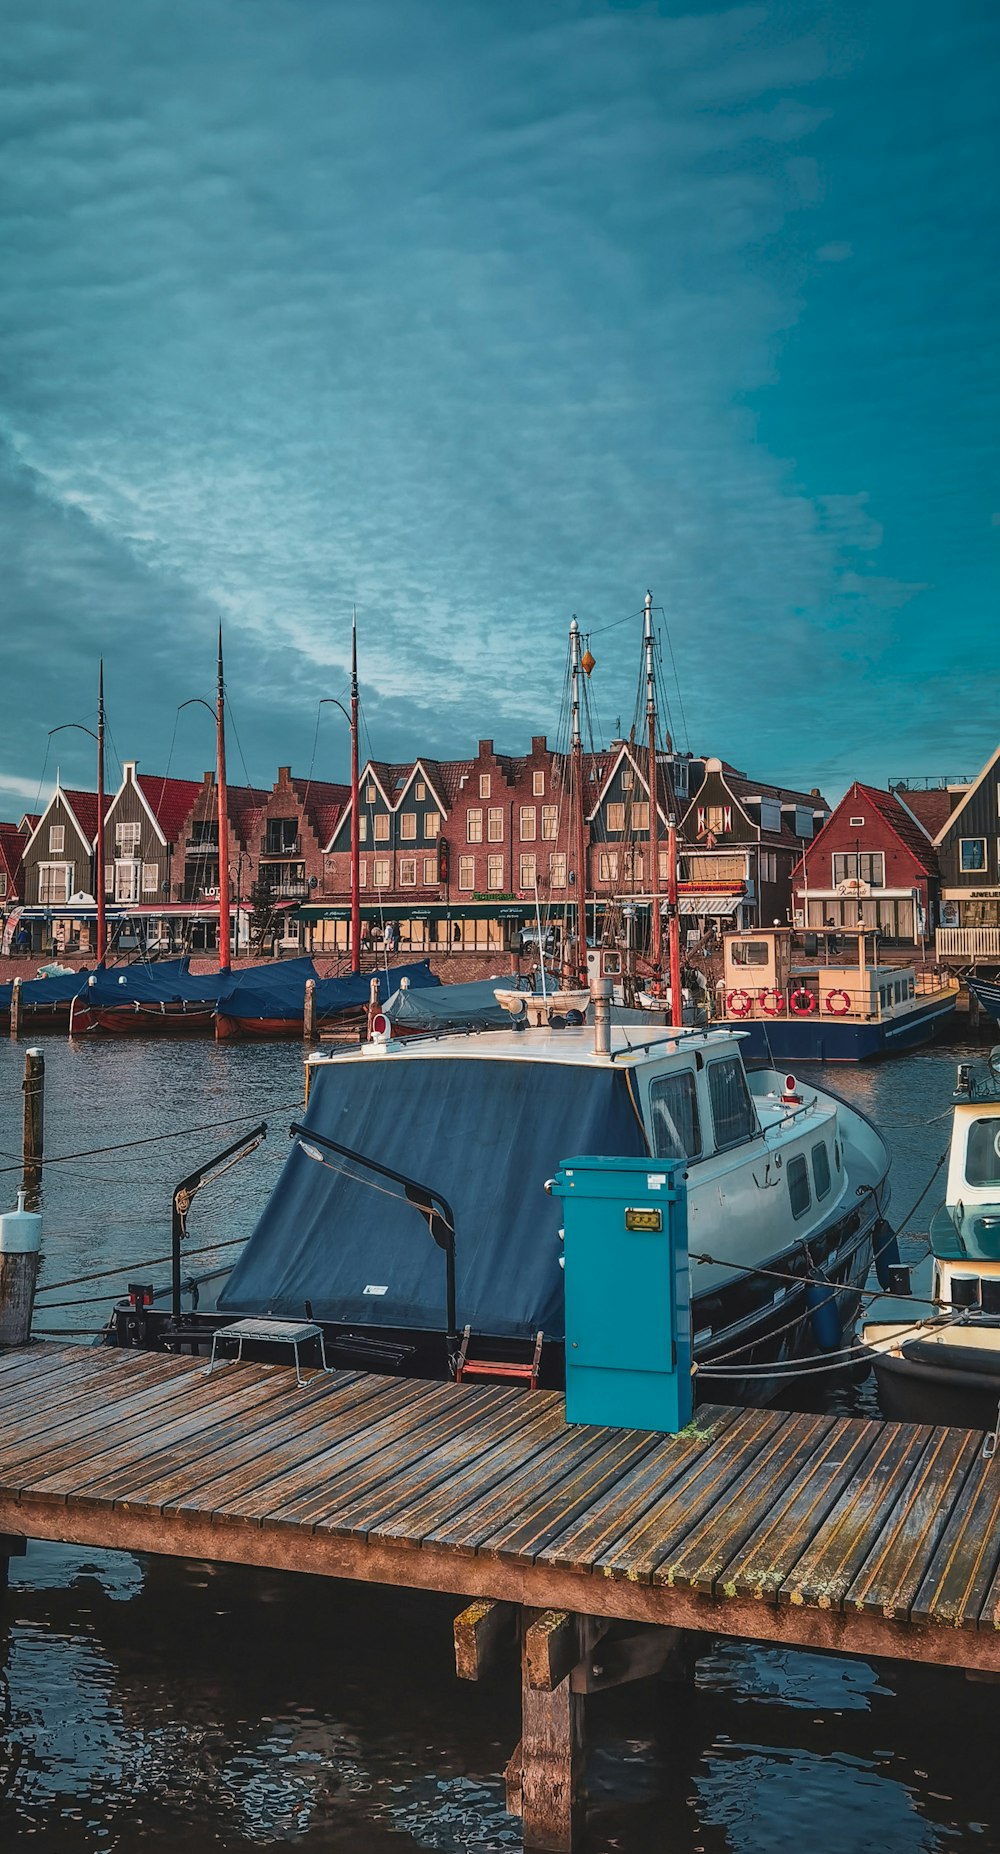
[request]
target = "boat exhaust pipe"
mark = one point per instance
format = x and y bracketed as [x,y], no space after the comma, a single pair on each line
[601,993]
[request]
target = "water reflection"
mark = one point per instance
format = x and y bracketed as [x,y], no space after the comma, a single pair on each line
[197,1706]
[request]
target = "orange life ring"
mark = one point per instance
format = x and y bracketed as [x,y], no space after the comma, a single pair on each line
[777,1005]
[838,1010]
[802,1002]
[739,1003]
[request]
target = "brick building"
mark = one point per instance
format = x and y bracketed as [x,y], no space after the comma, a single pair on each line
[872,865]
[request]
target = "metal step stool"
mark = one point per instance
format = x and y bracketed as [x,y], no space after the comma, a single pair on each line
[269,1332]
[526,1371]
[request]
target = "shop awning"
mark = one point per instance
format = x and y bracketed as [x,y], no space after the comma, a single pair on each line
[708,904]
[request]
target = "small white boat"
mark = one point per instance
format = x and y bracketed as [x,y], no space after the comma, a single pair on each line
[938,1360]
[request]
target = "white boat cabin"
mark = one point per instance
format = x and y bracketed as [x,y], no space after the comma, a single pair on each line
[765,976]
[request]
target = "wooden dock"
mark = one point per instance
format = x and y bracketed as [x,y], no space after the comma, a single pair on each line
[863,1537]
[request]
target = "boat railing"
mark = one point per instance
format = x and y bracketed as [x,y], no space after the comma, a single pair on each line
[815,996]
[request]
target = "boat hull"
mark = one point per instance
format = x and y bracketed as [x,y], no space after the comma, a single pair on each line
[143,1020]
[817,1038]
[910,1391]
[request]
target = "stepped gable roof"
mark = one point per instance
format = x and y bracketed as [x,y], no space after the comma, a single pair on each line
[170,801]
[931,809]
[323,803]
[894,813]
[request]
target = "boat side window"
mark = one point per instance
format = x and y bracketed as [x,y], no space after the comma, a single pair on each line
[821,1169]
[732,1108]
[674,1110]
[797,1173]
[749,952]
[982,1154]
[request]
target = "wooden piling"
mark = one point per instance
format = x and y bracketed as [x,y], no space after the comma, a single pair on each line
[20,1246]
[34,1121]
[545,1776]
[309,1013]
[10,1547]
[15,1010]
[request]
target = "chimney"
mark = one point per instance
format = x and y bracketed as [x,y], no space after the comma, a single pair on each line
[485,749]
[284,775]
[128,770]
[539,743]
[209,777]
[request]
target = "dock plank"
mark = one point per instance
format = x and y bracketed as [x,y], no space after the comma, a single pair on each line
[95,1404]
[637,1553]
[697,1559]
[548,1467]
[958,1581]
[524,1534]
[758,1567]
[578,1545]
[888,1579]
[483,1472]
[823,1573]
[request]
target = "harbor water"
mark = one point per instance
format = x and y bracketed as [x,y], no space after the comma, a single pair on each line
[149,1702]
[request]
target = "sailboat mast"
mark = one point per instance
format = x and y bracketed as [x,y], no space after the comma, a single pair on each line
[102,925]
[579,844]
[656,937]
[220,753]
[355,801]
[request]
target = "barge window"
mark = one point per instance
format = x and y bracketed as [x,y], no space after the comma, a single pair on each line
[674,1109]
[982,1155]
[750,953]
[798,1185]
[821,1169]
[732,1108]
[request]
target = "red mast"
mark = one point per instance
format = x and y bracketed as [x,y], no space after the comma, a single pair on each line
[220,752]
[656,935]
[580,843]
[102,927]
[355,801]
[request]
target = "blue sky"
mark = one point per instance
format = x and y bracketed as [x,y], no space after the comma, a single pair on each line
[479,315]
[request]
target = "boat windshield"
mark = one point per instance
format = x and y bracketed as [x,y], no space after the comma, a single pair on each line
[982,1154]
[673,1104]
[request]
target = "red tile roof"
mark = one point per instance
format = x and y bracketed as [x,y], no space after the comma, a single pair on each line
[84,808]
[170,801]
[911,834]
[11,854]
[931,809]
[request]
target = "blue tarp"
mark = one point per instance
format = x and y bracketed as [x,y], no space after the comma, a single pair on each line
[450,1007]
[279,990]
[487,1133]
[163,981]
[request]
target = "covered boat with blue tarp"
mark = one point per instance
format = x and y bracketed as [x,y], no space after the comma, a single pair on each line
[270,1000]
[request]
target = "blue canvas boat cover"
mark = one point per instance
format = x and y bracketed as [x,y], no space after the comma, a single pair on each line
[450,1007]
[163,981]
[59,989]
[341,994]
[487,1133]
[278,991]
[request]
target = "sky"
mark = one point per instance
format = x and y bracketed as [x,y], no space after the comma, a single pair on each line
[477,316]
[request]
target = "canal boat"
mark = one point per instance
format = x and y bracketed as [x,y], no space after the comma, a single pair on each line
[787,1191]
[938,1359]
[257,1003]
[834,1008]
[986,992]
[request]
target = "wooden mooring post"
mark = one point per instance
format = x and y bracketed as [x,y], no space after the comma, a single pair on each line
[15,1010]
[34,1122]
[309,1013]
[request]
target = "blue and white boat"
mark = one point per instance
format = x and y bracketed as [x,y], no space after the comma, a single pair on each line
[454,1137]
[987,995]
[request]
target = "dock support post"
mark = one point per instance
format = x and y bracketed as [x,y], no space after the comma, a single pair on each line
[973,1012]
[15,1010]
[309,1013]
[545,1775]
[34,1122]
[11,1546]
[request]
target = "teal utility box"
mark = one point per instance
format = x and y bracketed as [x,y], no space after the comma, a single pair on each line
[628,1313]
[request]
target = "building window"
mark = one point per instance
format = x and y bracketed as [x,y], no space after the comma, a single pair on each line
[467,873]
[126,881]
[616,817]
[628,779]
[550,823]
[538,784]
[769,865]
[634,865]
[407,872]
[380,872]
[382,828]
[526,871]
[661,864]
[484,785]
[640,814]
[972,854]
[370,794]
[607,865]
[57,839]
[494,872]
[362,829]
[430,871]
[857,823]
[557,869]
[362,875]
[420,791]
[55,881]
[494,823]
[713,819]
[408,826]
[860,866]
[529,823]
[150,881]
[3,882]
[474,827]
[431,823]
[126,839]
